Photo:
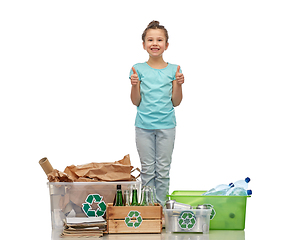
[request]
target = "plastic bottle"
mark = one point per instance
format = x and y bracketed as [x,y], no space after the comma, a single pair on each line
[119,197]
[238,191]
[242,183]
[219,190]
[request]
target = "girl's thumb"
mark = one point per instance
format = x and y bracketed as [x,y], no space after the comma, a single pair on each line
[134,70]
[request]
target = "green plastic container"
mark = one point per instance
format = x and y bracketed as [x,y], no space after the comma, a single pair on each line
[229,211]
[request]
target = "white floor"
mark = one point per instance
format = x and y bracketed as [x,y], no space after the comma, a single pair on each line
[212,235]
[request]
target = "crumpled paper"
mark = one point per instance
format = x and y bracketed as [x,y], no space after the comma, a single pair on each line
[57,176]
[92,172]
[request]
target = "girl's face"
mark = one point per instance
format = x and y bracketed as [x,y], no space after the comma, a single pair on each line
[155,42]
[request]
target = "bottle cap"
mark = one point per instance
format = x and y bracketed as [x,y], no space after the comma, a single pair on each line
[204,206]
[247,179]
[249,192]
[118,186]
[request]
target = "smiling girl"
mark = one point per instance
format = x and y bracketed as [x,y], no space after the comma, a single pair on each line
[156,90]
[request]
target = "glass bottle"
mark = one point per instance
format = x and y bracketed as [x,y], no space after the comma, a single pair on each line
[119,197]
[135,197]
[126,198]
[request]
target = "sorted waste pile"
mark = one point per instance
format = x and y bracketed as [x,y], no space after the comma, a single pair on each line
[239,188]
[71,211]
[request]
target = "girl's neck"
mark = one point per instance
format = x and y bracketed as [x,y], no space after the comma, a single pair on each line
[157,63]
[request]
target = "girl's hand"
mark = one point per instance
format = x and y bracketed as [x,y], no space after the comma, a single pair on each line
[179,76]
[134,79]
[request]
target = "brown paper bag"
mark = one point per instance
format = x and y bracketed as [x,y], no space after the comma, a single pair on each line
[106,171]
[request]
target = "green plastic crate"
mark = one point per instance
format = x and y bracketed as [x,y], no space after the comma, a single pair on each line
[229,211]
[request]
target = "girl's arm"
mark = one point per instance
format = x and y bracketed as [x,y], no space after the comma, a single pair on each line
[177,88]
[177,94]
[135,95]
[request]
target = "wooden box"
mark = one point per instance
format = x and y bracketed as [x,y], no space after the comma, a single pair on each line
[134,219]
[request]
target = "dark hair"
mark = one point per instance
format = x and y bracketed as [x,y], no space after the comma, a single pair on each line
[154,25]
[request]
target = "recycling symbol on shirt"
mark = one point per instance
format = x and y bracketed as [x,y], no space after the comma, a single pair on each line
[131,216]
[87,206]
[187,220]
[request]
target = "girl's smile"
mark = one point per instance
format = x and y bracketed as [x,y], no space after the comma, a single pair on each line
[155,49]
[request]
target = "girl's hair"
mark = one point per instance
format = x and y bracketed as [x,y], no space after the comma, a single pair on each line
[155,25]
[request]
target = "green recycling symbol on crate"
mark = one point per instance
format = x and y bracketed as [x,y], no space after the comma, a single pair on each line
[129,219]
[187,220]
[87,206]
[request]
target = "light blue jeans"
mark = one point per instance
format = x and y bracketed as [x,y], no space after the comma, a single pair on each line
[155,148]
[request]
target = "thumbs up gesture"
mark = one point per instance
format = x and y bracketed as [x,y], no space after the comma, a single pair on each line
[179,76]
[134,79]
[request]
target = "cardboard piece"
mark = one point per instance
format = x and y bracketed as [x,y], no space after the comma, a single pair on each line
[46,166]
[83,227]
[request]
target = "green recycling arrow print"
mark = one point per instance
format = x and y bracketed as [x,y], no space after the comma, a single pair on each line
[133,215]
[187,220]
[87,206]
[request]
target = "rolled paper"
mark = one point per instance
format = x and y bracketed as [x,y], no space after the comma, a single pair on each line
[46,166]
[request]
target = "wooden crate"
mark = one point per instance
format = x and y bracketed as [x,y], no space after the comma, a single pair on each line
[134,219]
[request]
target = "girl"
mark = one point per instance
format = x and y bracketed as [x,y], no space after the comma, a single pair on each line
[156,90]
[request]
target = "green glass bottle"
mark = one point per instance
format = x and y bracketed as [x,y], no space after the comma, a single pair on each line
[135,197]
[144,199]
[119,197]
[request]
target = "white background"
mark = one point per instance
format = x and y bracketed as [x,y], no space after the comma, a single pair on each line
[64,95]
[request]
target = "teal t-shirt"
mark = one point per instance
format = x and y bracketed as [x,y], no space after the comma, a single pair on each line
[156,110]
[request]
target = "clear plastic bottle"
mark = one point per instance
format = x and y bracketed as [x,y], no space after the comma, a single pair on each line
[238,191]
[242,183]
[219,190]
